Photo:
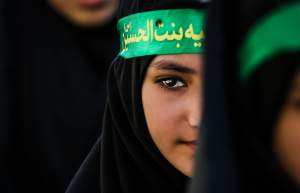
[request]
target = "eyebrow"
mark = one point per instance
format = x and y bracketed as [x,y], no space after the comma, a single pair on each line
[173,66]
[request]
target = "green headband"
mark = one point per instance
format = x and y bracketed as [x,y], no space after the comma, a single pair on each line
[174,31]
[278,32]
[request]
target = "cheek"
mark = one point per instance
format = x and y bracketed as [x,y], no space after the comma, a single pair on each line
[287,143]
[163,115]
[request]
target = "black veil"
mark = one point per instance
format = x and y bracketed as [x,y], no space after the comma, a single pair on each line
[52,94]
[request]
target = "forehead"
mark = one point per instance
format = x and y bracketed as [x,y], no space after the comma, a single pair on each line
[193,61]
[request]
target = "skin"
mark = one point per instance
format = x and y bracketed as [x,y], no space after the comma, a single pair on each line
[173,109]
[83,15]
[287,133]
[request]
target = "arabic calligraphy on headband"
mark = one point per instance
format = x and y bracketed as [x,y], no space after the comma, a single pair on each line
[149,35]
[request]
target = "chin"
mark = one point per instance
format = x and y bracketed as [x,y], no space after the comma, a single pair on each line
[90,20]
[187,168]
[188,172]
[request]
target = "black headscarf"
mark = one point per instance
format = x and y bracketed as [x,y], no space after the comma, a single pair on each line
[128,159]
[236,153]
[52,94]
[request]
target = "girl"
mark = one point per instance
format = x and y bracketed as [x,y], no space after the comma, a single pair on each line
[154,101]
[262,90]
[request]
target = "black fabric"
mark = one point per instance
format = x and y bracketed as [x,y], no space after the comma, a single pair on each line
[215,169]
[129,160]
[236,145]
[52,95]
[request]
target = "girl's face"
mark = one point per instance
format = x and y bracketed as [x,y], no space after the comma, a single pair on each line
[86,13]
[171,95]
[287,133]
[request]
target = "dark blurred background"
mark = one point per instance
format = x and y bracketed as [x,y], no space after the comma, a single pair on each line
[54,57]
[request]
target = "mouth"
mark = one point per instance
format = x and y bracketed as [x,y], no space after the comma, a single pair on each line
[190,144]
[91,3]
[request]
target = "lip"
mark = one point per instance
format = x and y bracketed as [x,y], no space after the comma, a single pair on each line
[90,3]
[190,144]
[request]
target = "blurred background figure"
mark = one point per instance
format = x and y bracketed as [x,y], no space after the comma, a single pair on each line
[54,57]
[249,137]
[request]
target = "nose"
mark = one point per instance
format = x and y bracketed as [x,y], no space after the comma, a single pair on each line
[195,109]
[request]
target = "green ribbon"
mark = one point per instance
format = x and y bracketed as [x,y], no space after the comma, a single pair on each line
[277,33]
[174,31]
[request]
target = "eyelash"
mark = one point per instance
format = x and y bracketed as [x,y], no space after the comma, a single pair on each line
[167,88]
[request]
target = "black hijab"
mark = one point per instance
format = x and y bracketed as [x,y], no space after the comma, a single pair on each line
[52,94]
[236,153]
[125,154]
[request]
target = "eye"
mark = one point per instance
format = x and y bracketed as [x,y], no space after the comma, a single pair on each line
[172,82]
[296,104]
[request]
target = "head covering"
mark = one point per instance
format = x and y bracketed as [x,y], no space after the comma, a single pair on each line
[154,32]
[52,94]
[129,160]
[236,152]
